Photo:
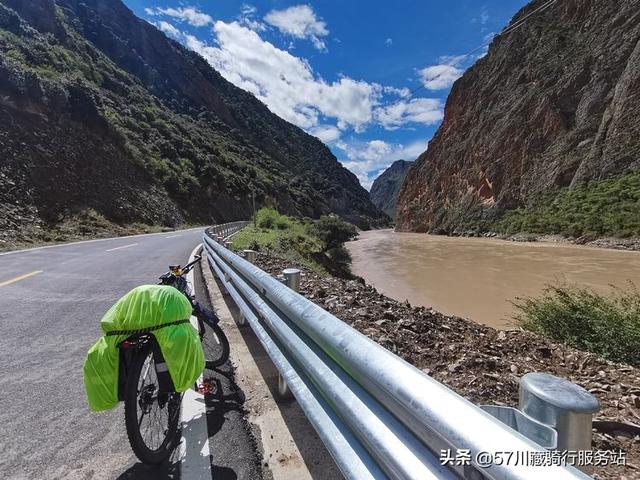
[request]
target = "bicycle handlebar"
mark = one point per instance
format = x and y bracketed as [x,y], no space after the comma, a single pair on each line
[190,265]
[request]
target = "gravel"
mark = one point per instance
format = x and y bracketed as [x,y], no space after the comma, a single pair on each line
[480,363]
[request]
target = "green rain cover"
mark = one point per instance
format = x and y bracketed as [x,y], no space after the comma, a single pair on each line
[143,307]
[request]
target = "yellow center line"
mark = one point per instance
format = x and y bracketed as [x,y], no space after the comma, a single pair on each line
[21,277]
[123,246]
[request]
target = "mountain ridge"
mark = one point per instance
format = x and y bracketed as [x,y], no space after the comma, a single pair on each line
[101,112]
[386,187]
[552,105]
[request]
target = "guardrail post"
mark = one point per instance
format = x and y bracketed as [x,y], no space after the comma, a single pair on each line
[250,256]
[561,404]
[292,280]
[228,245]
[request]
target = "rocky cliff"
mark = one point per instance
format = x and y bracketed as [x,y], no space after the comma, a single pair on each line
[101,112]
[555,103]
[386,188]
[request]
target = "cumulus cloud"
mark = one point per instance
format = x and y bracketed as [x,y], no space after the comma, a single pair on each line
[191,15]
[427,111]
[291,89]
[285,83]
[368,159]
[326,133]
[439,77]
[299,21]
[169,29]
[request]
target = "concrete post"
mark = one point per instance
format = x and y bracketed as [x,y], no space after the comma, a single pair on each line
[292,279]
[228,245]
[250,256]
[563,405]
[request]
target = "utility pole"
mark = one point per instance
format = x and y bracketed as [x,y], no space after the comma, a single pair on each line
[253,200]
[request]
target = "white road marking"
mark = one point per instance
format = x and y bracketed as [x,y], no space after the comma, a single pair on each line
[121,247]
[21,277]
[194,454]
[26,250]
[173,236]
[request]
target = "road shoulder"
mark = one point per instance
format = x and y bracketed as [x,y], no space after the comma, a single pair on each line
[290,447]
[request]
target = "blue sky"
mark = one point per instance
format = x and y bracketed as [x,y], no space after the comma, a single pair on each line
[343,71]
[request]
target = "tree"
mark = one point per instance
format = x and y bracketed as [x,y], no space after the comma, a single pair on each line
[333,231]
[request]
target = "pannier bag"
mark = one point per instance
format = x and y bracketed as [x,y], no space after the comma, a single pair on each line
[160,308]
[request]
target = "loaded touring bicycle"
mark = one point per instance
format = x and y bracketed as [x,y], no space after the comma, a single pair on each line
[150,354]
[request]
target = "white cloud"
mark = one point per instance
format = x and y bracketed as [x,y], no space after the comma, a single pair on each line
[326,133]
[427,111]
[291,89]
[247,9]
[453,60]
[185,14]
[401,92]
[366,160]
[285,83]
[299,21]
[484,16]
[169,29]
[439,77]
[388,42]
[247,18]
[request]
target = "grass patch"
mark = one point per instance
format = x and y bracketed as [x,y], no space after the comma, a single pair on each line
[317,245]
[597,209]
[608,325]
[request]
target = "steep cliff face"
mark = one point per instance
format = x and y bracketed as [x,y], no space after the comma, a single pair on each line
[554,103]
[100,111]
[386,188]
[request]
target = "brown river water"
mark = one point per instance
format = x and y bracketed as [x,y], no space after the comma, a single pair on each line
[477,278]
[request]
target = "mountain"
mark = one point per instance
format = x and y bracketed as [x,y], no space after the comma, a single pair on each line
[104,117]
[386,188]
[553,106]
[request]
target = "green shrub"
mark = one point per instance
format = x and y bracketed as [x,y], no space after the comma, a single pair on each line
[333,231]
[267,218]
[601,208]
[318,245]
[608,325]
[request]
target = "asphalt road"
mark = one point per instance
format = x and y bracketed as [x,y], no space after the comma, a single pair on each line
[51,301]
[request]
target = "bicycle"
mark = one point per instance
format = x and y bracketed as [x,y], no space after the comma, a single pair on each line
[152,406]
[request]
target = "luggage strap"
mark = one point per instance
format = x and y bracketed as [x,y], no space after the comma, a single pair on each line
[146,330]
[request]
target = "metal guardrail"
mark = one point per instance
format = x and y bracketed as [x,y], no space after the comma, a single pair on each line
[378,416]
[225,230]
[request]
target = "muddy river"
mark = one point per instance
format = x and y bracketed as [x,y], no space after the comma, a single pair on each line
[477,278]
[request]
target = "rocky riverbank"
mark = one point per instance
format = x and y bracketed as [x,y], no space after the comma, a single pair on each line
[630,244]
[478,362]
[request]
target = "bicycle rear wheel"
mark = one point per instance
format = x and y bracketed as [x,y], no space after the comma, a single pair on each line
[214,342]
[152,418]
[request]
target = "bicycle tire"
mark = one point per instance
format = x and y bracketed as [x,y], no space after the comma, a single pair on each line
[214,342]
[132,407]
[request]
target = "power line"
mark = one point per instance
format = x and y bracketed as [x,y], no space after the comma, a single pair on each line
[504,32]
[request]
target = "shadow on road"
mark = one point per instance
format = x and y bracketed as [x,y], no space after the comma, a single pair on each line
[140,471]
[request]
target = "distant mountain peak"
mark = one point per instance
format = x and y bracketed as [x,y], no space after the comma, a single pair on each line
[386,187]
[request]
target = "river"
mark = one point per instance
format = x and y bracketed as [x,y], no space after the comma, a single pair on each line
[477,278]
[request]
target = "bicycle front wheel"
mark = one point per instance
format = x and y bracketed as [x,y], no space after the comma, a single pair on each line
[152,417]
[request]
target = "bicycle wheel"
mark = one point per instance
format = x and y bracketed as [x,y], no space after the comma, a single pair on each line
[214,342]
[151,417]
